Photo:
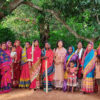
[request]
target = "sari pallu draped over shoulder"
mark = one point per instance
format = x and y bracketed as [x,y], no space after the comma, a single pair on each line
[88,72]
[68,59]
[35,70]
[5,62]
[25,77]
[50,68]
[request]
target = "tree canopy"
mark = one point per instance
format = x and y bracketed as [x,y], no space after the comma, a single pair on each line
[51,20]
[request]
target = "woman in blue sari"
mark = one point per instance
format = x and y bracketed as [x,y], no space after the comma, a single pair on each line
[88,64]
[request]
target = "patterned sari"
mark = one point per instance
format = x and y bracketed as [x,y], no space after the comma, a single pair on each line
[25,76]
[5,62]
[68,59]
[50,70]
[35,70]
[88,72]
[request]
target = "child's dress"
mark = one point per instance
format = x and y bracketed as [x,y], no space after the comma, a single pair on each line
[72,77]
[12,55]
[13,59]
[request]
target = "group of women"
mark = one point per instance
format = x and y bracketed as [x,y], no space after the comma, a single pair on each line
[67,70]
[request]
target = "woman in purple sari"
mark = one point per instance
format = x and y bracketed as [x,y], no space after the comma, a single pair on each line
[70,56]
[5,61]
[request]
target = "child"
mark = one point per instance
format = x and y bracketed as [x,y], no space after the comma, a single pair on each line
[14,57]
[72,76]
[13,54]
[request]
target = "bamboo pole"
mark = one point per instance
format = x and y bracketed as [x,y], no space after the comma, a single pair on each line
[46,73]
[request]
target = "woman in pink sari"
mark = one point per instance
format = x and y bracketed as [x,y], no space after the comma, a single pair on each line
[36,66]
[5,62]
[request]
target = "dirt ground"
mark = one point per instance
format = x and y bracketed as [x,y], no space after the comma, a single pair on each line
[26,94]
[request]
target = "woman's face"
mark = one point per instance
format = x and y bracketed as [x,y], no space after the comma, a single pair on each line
[60,44]
[27,45]
[3,46]
[71,65]
[36,43]
[9,44]
[70,50]
[14,49]
[79,45]
[17,43]
[47,46]
[89,47]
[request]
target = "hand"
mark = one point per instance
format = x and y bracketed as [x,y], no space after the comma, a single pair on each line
[11,65]
[33,43]
[15,61]
[31,70]
[45,57]
[57,63]
[82,70]
[83,77]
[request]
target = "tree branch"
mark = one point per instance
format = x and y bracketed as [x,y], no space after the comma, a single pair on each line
[9,8]
[98,19]
[15,3]
[59,19]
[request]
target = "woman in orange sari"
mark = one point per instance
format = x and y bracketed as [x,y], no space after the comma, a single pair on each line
[36,66]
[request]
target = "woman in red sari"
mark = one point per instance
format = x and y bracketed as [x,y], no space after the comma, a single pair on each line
[17,65]
[36,66]
[47,55]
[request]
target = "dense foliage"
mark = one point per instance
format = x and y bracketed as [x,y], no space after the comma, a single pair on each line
[26,23]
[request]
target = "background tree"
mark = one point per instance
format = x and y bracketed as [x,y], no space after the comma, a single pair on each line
[69,20]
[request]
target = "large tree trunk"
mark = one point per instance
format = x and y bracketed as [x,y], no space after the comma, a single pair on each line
[44,31]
